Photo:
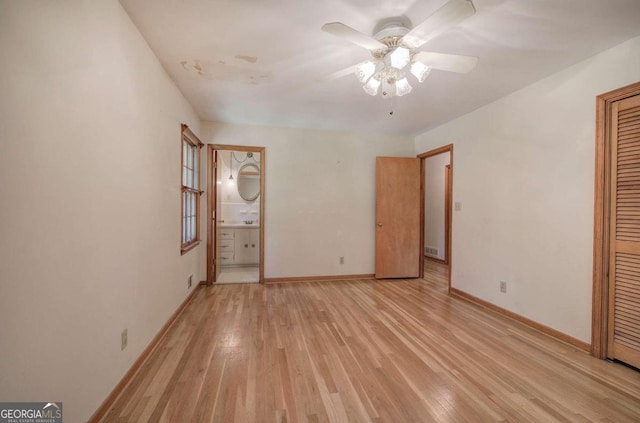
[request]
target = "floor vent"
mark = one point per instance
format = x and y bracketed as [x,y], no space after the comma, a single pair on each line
[431,251]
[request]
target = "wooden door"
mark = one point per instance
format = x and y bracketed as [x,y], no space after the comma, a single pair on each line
[218,221]
[624,230]
[213,245]
[214,208]
[398,182]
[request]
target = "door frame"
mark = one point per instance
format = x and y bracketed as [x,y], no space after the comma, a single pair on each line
[601,216]
[448,207]
[212,188]
[447,213]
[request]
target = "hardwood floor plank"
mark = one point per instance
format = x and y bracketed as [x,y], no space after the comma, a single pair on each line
[366,351]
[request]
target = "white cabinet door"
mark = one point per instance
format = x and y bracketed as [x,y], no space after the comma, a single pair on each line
[254,246]
[242,246]
[247,246]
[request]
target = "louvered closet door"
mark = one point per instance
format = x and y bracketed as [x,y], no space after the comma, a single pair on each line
[624,263]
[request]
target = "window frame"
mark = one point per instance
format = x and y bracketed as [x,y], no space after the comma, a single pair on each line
[189,139]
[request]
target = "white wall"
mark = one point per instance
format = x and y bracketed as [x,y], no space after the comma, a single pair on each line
[434,207]
[320,195]
[524,174]
[90,209]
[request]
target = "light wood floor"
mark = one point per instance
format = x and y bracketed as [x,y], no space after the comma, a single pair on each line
[435,272]
[366,350]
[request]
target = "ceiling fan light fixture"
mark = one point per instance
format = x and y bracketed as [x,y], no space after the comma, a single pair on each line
[365,70]
[399,57]
[394,45]
[420,71]
[372,86]
[402,87]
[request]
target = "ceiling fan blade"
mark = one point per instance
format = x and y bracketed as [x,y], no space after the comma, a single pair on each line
[340,73]
[452,13]
[343,31]
[447,62]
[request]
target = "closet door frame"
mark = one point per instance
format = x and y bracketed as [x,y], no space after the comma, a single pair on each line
[600,313]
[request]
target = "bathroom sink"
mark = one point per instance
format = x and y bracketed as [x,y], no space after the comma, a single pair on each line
[240,225]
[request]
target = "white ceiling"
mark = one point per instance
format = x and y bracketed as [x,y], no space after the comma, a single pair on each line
[518,42]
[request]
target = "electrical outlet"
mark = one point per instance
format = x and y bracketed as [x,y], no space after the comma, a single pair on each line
[341,260]
[123,339]
[189,281]
[503,286]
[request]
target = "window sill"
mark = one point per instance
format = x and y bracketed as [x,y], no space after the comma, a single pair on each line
[188,247]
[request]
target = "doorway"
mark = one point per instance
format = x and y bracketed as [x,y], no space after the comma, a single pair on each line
[235,212]
[437,178]
[616,271]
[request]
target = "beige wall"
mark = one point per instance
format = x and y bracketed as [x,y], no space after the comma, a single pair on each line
[320,195]
[90,209]
[524,175]
[89,181]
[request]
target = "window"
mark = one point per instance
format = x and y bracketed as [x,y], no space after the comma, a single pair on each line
[190,189]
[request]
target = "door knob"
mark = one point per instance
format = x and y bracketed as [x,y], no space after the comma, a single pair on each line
[380,224]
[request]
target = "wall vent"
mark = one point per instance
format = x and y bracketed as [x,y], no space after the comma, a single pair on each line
[431,251]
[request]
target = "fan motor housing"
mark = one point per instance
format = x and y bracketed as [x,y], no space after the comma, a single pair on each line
[391,36]
[395,31]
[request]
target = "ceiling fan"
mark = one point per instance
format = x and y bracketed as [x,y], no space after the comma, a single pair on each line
[394,49]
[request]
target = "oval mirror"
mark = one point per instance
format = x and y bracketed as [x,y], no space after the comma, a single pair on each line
[249,182]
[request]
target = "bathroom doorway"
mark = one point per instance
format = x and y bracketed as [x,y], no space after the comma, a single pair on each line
[235,212]
[437,179]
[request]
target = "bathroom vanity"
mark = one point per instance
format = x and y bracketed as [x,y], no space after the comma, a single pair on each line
[240,244]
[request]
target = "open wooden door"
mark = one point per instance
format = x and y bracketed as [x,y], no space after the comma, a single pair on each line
[217,221]
[213,206]
[624,230]
[398,220]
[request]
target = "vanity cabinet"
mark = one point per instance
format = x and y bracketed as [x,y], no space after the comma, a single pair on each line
[247,246]
[239,246]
